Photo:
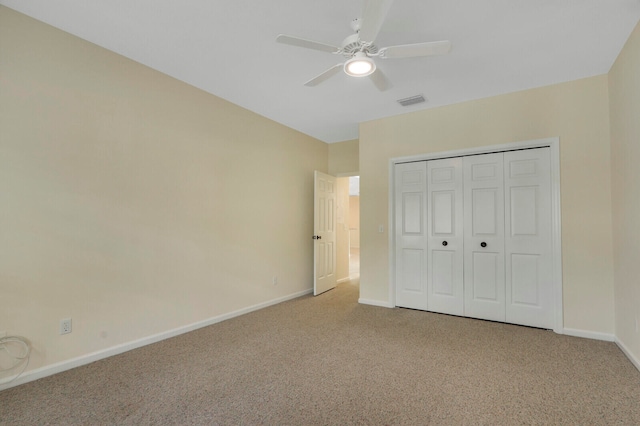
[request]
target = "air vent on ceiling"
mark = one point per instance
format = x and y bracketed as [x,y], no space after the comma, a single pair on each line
[412,100]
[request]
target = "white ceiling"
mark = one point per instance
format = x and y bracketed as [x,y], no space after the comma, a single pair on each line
[228,48]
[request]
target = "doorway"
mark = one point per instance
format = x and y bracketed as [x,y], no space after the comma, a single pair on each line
[354,227]
[348,228]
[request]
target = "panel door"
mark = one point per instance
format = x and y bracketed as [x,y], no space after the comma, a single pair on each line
[529,285]
[445,237]
[484,272]
[411,235]
[324,238]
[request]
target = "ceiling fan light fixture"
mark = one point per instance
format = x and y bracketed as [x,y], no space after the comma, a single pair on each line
[360,65]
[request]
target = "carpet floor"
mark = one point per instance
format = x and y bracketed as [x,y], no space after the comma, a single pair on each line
[327,360]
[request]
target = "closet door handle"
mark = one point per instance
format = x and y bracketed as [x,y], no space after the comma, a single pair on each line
[444,243]
[483,244]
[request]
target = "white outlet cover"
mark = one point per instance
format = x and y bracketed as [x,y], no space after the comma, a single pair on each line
[65,326]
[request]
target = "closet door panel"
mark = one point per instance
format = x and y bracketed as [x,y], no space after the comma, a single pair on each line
[443,272]
[484,206]
[411,235]
[412,261]
[524,280]
[484,262]
[445,237]
[485,276]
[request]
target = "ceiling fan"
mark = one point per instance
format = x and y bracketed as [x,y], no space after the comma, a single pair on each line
[360,49]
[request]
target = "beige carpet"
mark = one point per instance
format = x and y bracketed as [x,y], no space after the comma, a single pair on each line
[329,361]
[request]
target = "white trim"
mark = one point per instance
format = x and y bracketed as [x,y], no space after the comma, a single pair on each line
[375,303]
[347,174]
[635,361]
[556,232]
[556,218]
[391,234]
[536,143]
[343,280]
[595,335]
[59,367]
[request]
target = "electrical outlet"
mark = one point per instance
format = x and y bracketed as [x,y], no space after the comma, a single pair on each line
[275,280]
[65,326]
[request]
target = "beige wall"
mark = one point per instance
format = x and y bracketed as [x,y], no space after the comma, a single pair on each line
[343,158]
[624,96]
[134,203]
[576,112]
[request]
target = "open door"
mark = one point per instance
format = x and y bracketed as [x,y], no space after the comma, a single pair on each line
[324,233]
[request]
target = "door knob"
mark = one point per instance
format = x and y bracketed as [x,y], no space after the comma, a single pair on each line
[483,244]
[317,237]
[444,243]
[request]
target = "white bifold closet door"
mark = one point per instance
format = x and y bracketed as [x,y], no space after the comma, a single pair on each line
[410,231]
[528,251]
[473,236]
[429,279]
[445,238]
[484,237]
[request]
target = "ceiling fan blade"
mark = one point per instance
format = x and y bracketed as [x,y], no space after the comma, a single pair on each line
[380,80]
[309,44]
[373,14]
[324,76]
[417,49]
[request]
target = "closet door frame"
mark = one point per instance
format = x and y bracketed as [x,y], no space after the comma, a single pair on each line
[556,230]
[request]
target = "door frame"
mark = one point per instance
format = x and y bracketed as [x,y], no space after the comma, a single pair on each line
[556,217]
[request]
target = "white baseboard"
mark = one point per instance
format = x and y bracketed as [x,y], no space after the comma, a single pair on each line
[635,361]
[588,334]
[59,367]
[375,303]
[343,280]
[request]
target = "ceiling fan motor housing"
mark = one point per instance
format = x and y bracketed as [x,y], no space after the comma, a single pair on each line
[352,44]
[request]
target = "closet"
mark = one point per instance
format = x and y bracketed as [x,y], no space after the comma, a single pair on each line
[473,236]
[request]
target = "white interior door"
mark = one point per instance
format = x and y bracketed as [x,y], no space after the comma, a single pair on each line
[324,237]
[445,236]
[484,237]
[410,232]
[529,275]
